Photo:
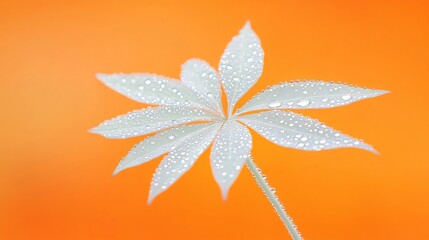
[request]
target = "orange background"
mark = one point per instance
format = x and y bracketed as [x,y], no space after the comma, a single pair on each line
[55,177]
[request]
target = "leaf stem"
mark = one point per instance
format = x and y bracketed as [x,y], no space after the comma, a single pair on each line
[274,200]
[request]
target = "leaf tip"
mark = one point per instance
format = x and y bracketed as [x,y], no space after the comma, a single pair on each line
[93,130]
[382,92]
[101,76]
[118,169]
[369,148]
[247,27]
[247,24]
[96,130]
[373,150]
[150,198]
[224,193]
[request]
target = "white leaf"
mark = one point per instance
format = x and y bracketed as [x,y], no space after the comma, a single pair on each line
[308,94]
[153,89]
[229,152]
[150,120]
[180,160]
[241,65]
[158,144]
[292,130]
[199,76]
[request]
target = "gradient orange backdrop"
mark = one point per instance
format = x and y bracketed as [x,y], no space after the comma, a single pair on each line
[55,177]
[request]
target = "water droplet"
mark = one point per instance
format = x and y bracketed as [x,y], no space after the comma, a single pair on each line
[171,137]
[147,81]
[275,104]
[250,60]
[236,79]
[346,97]
[303,102]
[203,74]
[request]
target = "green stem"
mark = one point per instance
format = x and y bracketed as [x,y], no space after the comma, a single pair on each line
[274,200]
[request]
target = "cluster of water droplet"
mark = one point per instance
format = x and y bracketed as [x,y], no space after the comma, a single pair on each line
[199,76]
[154,89]
[293,130]
[270,193]
[229,152]
[150,120]
[307,94]
[181,159]
[241,65]
[158,144]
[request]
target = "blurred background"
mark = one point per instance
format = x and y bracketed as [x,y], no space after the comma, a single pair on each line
[55,177]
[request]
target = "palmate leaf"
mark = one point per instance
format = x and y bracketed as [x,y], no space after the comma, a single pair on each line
[181,159]
[197,97]
[199,76]
[241,65]
[153,89]
[148,120]
[229,152]
[308,94]
[293,130]
[158,144]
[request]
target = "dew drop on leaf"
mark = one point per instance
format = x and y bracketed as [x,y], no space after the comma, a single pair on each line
[346,97]
[275,104]
[303,102]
